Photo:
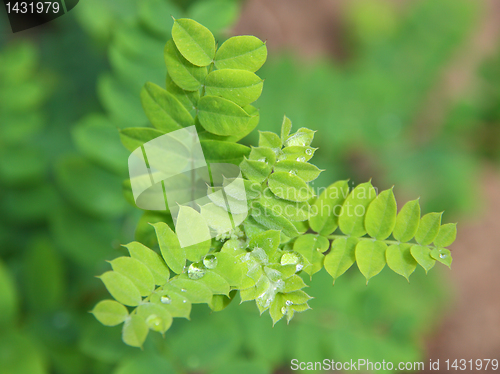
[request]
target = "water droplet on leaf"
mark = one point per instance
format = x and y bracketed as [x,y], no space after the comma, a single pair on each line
[196,271]
[289,302]
[309,151]
[165,300]
[210,261]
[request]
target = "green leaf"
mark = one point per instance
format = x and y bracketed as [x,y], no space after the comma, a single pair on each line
[172,299]
[277,307]
[151,259]
[217,217]
[134,137]
[241,52]
[306,172]
[286,127]
[137,272]
[110,312]
[170,248]
[370,257]
[239,86]
[443,255]
[423,256]
[230,268]
[289,187]
[222,117]
[256,171]
[165,112]
[428,228]
[121,288]
[407,221]
[268,241]
[216,151]
[220,302]
[269,139]
[352,216]
[263,154]
[268,219]
[184,74]
[400,260]
[194,291]
[157,318]
[303,138]
[135,330]
[293,211]
[327,208]
[297,153]
[216,283]
[294,283]
[341,257]
[192,231]
[381,215]
[446,236]
[195,42]
[311,247]
[187,98]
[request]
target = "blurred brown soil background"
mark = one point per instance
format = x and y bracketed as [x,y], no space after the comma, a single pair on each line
[311,28]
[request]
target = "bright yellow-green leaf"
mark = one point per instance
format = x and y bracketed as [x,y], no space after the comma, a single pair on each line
[194,41]
[442,255]
[269,139]
[157,317]
[256,171]
[305,171]
[352,216]
[241,52]
[151,259]
[121,288]
[428,228]
[194,291]
[135,330]
[326,209]
[422,255]
[268,241]
[381,215]
[230,268]
[297,153]
[400,260]
[341,257]
[407,221]
[311,247]
[286,127]
[370,257]
[184,74]
[239,86]
[303,138]
[446,236]
[110,312]
[171,250]
[216,151]
[221,116]
[165,112]
[137,272]
[191,229]
[289,187]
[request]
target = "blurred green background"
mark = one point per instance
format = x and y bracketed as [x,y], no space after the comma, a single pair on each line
[381,90]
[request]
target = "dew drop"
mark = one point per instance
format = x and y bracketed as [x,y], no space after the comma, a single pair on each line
[196,271]
[263,159]
[292,172]
[153,321]
[289,302]
[183,290]
[309,151]
[298,267]
[442,255]
[165,300]
[184,301]
[210,261]
[284,310]
[301,159]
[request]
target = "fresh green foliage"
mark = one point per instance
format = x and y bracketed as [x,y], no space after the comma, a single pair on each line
[289,231]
